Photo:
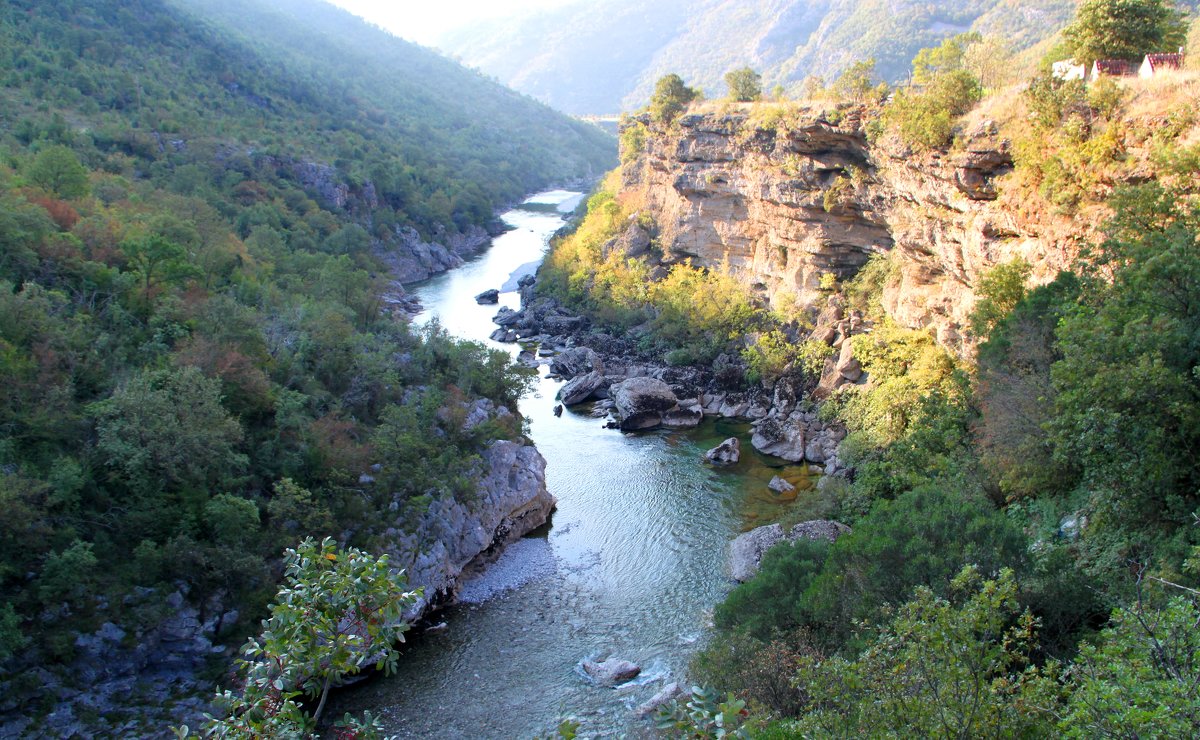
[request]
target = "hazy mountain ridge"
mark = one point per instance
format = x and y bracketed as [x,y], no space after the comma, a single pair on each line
[786,40]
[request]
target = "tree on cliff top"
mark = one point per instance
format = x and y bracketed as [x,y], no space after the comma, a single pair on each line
[1125,29]
[745,85]
[670,97]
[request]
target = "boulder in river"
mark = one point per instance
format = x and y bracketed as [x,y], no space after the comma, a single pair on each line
[488,297]
[726,453]
[669,693]
[779,485]
[575,362]
[686,415]
[581,389]
[641,402]
[747,550]
[611,672]
[782,438]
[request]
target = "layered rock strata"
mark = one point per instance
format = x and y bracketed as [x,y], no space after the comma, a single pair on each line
[781,204]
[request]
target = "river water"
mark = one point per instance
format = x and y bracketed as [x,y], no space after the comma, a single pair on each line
[631,564]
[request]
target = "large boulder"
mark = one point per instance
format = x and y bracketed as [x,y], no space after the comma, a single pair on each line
[848,367]
[726,453]
[488,297]
[611,672]
[747,550]
[687,415]
[780,437]
[582,388]
[575,362]
[641,402]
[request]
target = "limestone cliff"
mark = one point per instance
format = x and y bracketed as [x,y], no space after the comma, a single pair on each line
[780,203]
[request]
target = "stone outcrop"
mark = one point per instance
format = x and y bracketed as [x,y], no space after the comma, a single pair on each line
[747,550]
[581,389]
[512,500]
[642,402]
[488,297]
[782,204]
[728,452]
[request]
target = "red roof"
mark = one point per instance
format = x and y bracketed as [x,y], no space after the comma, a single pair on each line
[1116,67]
[1165,61]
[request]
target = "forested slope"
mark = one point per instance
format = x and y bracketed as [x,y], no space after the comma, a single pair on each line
[198,366]
[547,54]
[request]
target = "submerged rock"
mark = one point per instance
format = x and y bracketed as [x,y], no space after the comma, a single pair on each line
[726,453]
[779,485]
[611,672]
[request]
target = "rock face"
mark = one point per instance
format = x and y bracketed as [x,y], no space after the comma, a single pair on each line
[782,204]
[747,550]
[642,402]
[512,500]
[726,453]
[582,388]
[611,672]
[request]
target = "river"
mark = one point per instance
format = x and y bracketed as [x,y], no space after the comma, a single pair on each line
[631,564]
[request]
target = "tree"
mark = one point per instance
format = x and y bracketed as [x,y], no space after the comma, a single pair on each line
[670,98]
[745,85]
[58,170]
[1124,29]
[166,429]
[942,668]
[858,83]
[999,292]
[337,612]
[156,258]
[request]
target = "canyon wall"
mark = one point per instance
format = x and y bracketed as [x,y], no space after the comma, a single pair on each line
[780,203]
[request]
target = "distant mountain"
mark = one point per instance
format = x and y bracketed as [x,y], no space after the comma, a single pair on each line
[605,55]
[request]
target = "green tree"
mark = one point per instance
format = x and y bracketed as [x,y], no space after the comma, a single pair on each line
[1141,678]
[1124,29]
[671,96]
[1000,289]
[155,258]
[166,429]
[337,612]
[944,667]
[745,85]
[859,83]
[57,170]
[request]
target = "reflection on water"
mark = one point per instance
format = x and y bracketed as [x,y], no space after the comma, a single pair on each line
[632,564]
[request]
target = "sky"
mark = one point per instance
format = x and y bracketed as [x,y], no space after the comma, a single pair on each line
[424,21]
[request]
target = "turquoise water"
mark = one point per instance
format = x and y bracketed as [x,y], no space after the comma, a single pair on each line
[631,564]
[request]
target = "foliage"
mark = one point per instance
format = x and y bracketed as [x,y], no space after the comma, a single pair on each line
[56,169]
[999,291]
[197,364]
[336,612]
[942,90]
[762,673]
[1127,390]
[923,538]
[1124,29]
[745,85]
[859,83]
[671,97]
[704,717]
[1140,677]
[941,668]
[632,140]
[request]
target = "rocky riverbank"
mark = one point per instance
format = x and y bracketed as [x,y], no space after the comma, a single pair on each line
[635,391]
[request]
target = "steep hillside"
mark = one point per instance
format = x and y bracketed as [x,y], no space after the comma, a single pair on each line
[201,360]
[619,48]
